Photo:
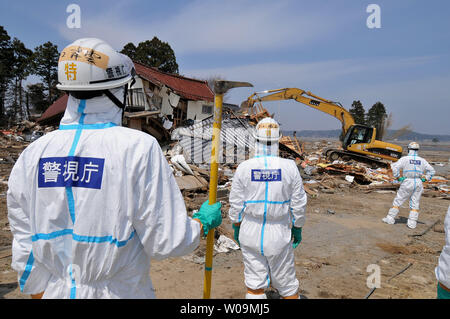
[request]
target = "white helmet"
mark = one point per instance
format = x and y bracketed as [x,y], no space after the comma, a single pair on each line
[413,146]
[267,130]
[92,65]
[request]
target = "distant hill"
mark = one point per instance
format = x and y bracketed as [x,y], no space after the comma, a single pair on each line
[335,134]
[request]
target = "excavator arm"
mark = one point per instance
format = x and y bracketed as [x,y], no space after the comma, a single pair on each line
[332,108]
[358,141]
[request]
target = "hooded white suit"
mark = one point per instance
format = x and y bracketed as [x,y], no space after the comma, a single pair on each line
[90,204]
[267,198]
[442,271]
[413,167]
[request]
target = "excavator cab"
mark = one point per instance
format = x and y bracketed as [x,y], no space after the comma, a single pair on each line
[358,134]
[361,139]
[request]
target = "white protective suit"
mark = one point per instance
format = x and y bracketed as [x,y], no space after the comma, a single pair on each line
[442,271]
[90,204]
[267,198]
[413,167]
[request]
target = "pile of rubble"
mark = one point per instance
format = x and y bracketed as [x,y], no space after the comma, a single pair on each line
[319,176]
[13,141]
[26,131]
[326,177]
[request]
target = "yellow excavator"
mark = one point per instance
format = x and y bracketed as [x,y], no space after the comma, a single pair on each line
[358,141]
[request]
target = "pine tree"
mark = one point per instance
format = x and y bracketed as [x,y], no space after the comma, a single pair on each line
[130,50]
[376,117]
[153,53]
[20,70]
[358,112]
[45,65]
[36,97]
[6,56]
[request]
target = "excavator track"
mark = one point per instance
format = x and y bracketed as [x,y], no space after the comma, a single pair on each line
[334,154]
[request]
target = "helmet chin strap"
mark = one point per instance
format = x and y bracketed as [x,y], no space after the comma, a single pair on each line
[115,100]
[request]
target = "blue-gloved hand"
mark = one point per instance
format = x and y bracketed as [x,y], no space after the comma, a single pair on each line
[401,179]
[236,233]
[209,215]
[297,235]
[423,179]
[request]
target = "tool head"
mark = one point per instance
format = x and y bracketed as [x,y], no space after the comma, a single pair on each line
[221,87]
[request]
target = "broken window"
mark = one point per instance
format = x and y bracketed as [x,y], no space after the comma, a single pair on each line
[207,109]
[136,99]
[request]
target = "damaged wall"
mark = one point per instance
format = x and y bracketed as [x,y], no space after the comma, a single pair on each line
[236,136]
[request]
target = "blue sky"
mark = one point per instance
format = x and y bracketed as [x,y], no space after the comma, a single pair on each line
[321,46]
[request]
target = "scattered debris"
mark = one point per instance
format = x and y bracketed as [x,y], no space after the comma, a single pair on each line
[225,244]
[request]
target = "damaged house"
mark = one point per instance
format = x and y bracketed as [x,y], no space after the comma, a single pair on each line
[157,103]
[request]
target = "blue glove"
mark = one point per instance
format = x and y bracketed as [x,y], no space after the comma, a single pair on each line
[423,179]
[401,179]
[297,234]
[236,233]
[209,215]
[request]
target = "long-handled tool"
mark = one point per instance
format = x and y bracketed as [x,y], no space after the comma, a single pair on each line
[220,88]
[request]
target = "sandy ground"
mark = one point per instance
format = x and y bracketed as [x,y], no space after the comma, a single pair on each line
[331,261]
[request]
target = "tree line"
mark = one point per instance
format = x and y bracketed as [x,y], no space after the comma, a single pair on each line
[17,63]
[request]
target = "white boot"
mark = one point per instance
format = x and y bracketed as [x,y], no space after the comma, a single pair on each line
[252,296]
[390,218]
[412,219]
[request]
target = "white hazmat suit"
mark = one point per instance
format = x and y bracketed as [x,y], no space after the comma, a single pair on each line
[267,198]
[442,271]
[413,167]
[90,204]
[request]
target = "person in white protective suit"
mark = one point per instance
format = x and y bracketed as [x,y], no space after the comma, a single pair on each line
[267,209]
[91,203]
[415,170]
[442,270]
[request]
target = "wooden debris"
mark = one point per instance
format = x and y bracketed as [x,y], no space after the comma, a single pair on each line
[190,182]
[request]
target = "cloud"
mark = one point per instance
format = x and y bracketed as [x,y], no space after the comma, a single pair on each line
[314,74]
[224,31]
[214,26]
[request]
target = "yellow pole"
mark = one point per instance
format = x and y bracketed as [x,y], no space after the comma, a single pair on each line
[220,88]
[213,180]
